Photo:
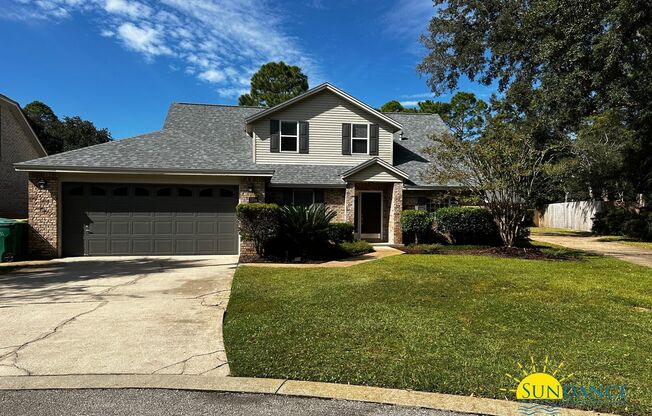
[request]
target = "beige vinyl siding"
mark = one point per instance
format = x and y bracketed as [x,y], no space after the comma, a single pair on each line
[325,112]
[374,173]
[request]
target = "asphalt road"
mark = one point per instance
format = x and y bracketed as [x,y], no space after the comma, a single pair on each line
[181,403]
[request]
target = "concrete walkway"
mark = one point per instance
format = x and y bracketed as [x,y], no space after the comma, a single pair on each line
[113,315]
[636,255]
[379,253]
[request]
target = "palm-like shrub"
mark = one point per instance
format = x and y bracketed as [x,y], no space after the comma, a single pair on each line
[305,228]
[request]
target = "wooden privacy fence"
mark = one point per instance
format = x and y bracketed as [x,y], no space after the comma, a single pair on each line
[571,215]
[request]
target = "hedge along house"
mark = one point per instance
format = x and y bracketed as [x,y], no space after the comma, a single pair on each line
[174,191]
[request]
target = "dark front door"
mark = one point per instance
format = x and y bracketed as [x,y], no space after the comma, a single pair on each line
[135,219]
[370,214]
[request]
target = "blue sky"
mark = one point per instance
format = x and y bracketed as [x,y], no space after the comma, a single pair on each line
[120,63]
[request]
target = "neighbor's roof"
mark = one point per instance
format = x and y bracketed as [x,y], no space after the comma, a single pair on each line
[210,139]
[19,112]
[319,88]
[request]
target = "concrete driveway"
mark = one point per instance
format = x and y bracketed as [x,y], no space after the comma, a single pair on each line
[110,315]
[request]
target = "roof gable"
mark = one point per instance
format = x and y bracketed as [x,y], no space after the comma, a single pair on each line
[326,87]
[21,116]
[374,165]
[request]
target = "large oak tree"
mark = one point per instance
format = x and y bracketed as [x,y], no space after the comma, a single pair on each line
[565,64]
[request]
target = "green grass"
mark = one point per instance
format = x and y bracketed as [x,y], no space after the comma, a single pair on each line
[446,323]
[626,241]
[545,230]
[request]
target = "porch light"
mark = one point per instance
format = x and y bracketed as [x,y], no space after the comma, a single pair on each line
[41,183]
[250,188]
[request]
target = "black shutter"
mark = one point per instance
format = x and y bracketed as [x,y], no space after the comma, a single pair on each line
[303,137]
[274,136]
[346,139]
[373,139]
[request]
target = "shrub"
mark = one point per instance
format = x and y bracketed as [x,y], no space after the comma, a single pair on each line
[467,225]
[416,222]
[356,248]
[258,223]
[305,228]
[619,221]
[422,248]
[339,232]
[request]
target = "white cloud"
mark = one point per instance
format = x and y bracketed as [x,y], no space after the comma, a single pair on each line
[232,92]
[132,9]
[213,76]
[217,41]
[147,40]
[409,103]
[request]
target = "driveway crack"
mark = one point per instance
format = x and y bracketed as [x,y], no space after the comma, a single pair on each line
[102,302]
[185,362]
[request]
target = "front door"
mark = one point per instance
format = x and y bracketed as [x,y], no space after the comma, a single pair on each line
[370,214]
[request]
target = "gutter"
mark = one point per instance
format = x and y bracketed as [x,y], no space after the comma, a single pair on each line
[76,169]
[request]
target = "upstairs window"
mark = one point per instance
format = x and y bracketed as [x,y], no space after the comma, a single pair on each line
[289,136]
[360,138]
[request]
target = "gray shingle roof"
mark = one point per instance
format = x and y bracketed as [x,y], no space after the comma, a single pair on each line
[409,156]
[211,139]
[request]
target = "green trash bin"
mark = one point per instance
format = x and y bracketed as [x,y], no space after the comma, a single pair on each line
[13,239]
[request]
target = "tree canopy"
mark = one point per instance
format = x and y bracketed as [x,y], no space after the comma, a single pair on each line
[58,136]
[274,83]
[582,69]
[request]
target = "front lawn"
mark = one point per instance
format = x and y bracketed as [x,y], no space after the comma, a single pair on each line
[446,323]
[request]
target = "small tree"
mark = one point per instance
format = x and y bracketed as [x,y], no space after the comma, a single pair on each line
[258,223]
[416,222]
[392,106]
[501,165]
[274,83]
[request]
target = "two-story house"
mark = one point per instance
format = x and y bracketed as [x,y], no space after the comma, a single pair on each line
[18,143]
[174,191]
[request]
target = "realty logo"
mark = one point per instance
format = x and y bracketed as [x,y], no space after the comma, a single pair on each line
[542,382]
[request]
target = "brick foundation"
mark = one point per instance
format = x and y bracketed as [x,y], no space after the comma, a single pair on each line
[44,205]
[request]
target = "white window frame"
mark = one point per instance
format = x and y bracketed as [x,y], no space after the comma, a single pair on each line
[368,139]
[281,135]
[303,190]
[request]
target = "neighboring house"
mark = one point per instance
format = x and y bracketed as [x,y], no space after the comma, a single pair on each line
[17,144]
[174,191]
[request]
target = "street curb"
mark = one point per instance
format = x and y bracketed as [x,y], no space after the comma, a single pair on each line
[333,391]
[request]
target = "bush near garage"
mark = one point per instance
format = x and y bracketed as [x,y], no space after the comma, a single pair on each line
[258,223]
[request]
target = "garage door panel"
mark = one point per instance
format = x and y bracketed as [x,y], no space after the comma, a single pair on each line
[128,219]
[143,246]
[120,227]
[164,246]
[163,227]
[184,246]
[141,228]
[97,247]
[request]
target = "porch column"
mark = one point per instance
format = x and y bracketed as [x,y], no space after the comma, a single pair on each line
[396,206]
[349,202]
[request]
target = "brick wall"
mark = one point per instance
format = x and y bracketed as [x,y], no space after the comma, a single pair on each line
[395,235]
[258,184]
[16,145]
[44,207]
[334,199]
